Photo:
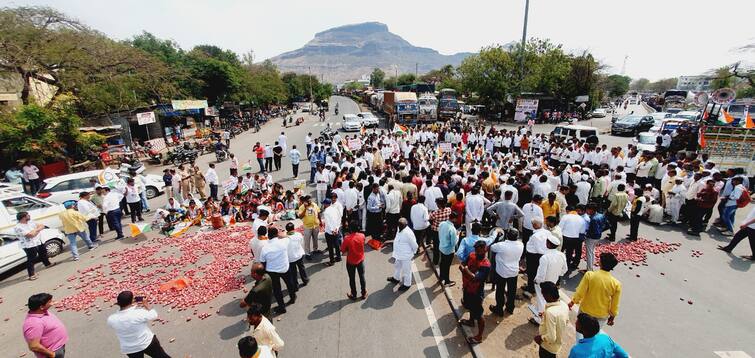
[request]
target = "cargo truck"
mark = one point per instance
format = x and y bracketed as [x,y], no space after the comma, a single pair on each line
[448,106]
[401,106]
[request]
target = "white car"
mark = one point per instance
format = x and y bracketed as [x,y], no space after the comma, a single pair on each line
[688,115]
[13,202]
[645,141]
[599,113]
[351,123]
[369,119]
[67,187]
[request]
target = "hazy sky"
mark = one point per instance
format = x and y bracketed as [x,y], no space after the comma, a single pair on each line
[663,38]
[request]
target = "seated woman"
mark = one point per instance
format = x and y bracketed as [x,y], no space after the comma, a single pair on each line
[193,212]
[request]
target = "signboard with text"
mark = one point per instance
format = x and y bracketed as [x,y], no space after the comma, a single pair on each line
[525,108]
[145,118]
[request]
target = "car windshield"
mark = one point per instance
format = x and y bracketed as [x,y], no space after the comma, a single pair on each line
[646,139]
[630,119]
[685,116]
[586,133]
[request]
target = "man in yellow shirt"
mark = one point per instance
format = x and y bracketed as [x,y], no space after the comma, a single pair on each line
[554,323]
[551,207]
[599,293]
[309,213]
[75,224]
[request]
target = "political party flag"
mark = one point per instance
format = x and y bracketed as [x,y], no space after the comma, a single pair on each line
[701,137]
[138,229]
[727,118]
[398,129]
[180,228]
[748,123]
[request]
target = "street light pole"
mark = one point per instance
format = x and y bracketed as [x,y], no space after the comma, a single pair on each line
[524,40]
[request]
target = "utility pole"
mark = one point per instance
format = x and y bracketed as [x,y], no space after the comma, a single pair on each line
[624,66]
[524,42]
[310,87]
[416,71]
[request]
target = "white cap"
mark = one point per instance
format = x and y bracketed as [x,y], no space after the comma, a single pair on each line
[554,240]
[585,177]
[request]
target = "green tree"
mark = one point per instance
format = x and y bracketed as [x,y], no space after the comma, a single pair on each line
[490,75]
[376,77]
[406,79]
[722,78]
[640,84]
[616,85]
[663,85]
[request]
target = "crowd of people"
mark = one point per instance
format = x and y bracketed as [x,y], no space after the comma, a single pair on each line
[500,202]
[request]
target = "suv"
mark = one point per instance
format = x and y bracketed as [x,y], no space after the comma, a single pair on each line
[368,119]
[67,187]
[569,131]
[632,124]
[12,202]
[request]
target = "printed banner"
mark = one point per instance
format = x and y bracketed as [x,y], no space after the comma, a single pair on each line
[525,108]
[145,118]
[188,104]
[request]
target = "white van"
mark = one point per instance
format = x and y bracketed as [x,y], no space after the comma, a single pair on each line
[14,201]
[569,131]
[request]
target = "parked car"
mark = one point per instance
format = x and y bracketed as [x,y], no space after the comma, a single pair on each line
[13,202]
[689,115]
[645,141]
[368,119]
[599,113]
[351,123]
[67,187]
[632,124]
[569,131]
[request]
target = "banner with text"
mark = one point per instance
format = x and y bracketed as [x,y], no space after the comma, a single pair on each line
[525,108]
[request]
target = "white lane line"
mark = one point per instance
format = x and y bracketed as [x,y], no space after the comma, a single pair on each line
[430,314]
[732,354]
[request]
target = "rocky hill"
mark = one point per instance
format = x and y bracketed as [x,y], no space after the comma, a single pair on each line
[352,51]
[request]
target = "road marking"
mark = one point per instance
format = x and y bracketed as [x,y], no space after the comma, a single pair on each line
[430,314]
[732,354]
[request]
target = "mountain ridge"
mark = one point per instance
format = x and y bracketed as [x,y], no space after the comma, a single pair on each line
[352,51]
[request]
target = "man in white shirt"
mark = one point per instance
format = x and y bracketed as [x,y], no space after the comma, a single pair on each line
[393,202]
[420,219]
[531,212]
[111,205]
[263,330]
[551,267]
[249,348]
[572,225]
[474,207]
[431,193]
[282,141]
[296,256]
[308,142]
[332,217]
[274,256]
[321,183]
[90,212]
[534,249]
[507,255]
[213,180]
[404,247]
[30,239]
[131,325]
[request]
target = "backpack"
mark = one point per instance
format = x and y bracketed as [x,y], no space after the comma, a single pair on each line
[743,199]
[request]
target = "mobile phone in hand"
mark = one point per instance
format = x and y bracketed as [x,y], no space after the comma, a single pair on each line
[139,298]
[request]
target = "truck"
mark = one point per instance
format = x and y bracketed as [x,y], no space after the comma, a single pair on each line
[401,106]
[676,100]
[448,106]
[730,147]
[428,107]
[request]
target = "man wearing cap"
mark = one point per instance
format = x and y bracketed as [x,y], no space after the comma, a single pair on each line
[550,269]
[75,224]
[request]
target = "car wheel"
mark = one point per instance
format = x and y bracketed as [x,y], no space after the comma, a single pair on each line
[54,247]
[152,192]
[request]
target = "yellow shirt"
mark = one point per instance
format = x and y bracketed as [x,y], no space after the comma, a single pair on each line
[310,216]
[555,321]
[550,210]
[73,221]
[598,294]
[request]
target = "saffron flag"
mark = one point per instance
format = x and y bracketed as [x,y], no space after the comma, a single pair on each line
[727,118]
[748,123]
[701,137]
[138,229]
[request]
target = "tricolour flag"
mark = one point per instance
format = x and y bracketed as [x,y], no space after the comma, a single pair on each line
[180,228]
[727,118]
[138,229]
[399,129]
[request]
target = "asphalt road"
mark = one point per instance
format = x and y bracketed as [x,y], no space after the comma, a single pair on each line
[322,323]
[655,318]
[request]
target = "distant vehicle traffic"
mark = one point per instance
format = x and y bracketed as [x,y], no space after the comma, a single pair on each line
[351,123]
[428,107]
[448,105]
[368,119]
[599,113]
[632,124]
[676,100]
[402,106]
[581,132]
[689,115]
[645,141]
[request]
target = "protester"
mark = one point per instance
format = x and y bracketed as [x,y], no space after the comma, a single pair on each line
[353,248]
[30,237]
[404,247]
[594,344]
[474,273]
[263,330]
[274,256]
[248,348]
[44,333]
[262,291]
[75,225]
[599,293]
[507,255]
[296,256]
[131,327]
[554,322]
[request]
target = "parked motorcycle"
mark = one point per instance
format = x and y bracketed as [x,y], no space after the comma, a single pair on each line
[221,155]
[154,157]
[327,134]
[180,156]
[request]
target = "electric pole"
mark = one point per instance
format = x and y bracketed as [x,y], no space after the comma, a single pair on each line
[624,66]
[524,42]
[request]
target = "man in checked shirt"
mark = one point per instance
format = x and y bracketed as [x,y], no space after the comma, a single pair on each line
[437,217]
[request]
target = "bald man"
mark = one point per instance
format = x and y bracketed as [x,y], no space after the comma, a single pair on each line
[404,247]
[262,291]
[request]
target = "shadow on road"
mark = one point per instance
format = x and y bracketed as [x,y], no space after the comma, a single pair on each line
[231,309]
[520,336]
[234,331]
[327,308]
[382,298]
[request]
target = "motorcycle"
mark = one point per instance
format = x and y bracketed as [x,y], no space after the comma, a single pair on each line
[154,157]
[221,155]
[327,134]
[180,156]
[336,111]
